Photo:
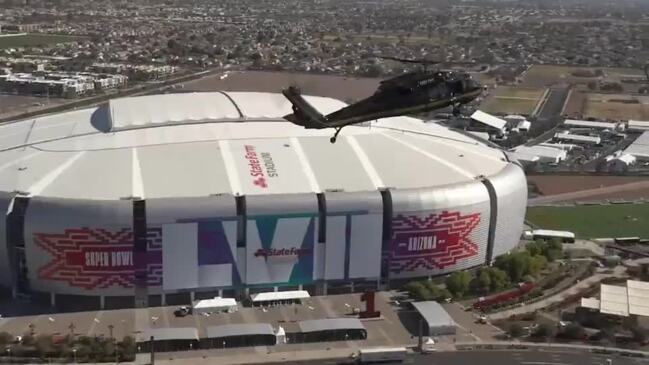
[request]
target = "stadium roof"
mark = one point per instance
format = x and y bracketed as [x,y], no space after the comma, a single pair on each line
[640,147]
[200,144]
[331,324]
[488,119]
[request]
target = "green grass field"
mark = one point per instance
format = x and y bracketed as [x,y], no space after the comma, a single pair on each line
[34,40]
[594,221]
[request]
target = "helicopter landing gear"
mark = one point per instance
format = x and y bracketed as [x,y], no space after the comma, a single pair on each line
[333,139]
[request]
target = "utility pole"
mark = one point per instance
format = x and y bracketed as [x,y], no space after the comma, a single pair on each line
[420,340]
[152,360]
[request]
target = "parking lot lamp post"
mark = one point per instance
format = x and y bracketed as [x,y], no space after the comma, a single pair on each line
[74,354]
[8,349]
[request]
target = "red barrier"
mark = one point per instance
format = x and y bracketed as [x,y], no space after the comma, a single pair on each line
[504,297]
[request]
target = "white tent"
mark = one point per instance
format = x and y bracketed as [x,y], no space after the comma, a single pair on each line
[216,304]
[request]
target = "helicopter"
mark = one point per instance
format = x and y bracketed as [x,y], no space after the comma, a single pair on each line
[412,92]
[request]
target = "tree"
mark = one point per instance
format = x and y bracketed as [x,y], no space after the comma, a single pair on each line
[519,265]
[536,247]
[515,330]
[543,331]
[537,263]
[482,282]
[573,331]
[499,279]
[553,250]
[639,334]
[458,283]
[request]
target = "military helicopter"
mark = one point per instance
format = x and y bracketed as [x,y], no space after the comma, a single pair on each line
[412,92]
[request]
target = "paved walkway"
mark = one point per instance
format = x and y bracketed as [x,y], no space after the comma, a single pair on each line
[619,271]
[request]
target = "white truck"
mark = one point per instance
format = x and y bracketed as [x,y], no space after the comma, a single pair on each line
[381,354]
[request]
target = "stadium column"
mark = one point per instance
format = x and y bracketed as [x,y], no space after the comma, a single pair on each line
[140,253]
[493,219]
[386,199]
[321,285]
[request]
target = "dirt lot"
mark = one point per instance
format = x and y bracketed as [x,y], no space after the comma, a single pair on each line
[10,104]
[546,75]
[553,184]
[611,106]
[512,100]
[343,88]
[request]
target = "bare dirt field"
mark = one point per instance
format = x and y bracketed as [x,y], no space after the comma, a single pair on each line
[555,184]
[343,88]
[10,104]
[513,100]
[546,75]
[616,107]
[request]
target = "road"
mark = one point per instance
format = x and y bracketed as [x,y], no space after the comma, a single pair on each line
[554,103]
[508,358]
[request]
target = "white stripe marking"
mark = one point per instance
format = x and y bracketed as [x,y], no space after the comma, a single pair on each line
[19,159]
[137,184]
[365,162]
[306,167]
[230,167]
[49,178]
[431,156]
[543,363]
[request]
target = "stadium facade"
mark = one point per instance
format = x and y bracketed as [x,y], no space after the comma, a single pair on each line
[154,199]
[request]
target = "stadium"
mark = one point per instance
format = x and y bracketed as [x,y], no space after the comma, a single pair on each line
[158,199]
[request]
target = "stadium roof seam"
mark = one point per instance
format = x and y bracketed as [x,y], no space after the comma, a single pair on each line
[236,106]
[306,166]
[431,156]
[52,175]
[366,163]
[230,167]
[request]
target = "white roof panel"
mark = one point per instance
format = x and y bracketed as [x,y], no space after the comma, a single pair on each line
[591,303]
[215,303]
[271,105]
[589,124]
[640,147]
[614,300]
[488,119]
[101,186]
[183,170]
[267,166]
[577,137]
[170,108]
[280,295]
[385,155]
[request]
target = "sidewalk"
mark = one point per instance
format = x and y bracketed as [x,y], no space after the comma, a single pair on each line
[618,272]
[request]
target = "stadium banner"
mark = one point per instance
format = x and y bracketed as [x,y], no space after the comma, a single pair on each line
[5,268]
[510,186]
[354,235]
[280,239]
[199,237]
[437,231]
[85,247]
[267,166]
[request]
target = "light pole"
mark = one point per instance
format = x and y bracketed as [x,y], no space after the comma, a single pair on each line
[74,354]
[8,349]
[110,330]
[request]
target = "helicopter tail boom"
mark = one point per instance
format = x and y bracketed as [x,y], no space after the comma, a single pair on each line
[304,114]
